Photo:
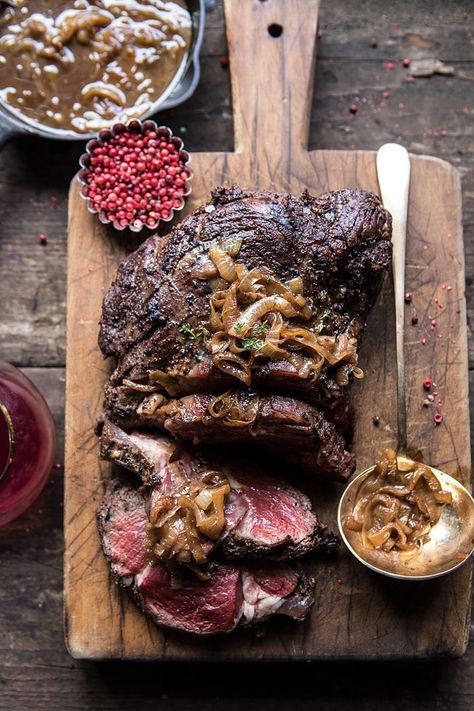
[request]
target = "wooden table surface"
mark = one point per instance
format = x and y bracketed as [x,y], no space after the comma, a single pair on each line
[360,63]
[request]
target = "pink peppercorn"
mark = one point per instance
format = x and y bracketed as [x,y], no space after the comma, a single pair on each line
[427,383]
[130,171]
[438,418]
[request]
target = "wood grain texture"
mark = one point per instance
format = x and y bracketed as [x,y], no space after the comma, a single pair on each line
[35,669]
[366,616]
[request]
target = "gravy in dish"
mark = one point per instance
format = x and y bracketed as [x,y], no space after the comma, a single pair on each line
[80,66]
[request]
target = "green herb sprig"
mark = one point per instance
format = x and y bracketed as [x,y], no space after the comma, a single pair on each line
[194,334]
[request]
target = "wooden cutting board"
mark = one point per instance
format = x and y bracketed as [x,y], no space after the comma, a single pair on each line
[358,614]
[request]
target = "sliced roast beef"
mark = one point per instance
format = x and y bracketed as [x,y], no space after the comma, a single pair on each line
[293,429]
[338,244]
[265,516]
[233,595]
[278,523]
[122,521]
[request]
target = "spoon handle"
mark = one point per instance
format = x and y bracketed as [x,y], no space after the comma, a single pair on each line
[393,170]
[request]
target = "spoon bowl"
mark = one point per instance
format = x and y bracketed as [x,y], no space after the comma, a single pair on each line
[451,539]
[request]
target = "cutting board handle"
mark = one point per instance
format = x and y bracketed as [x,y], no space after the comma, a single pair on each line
[272,50]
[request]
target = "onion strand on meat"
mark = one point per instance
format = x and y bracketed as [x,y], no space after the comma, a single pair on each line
[250,315]
[181,525]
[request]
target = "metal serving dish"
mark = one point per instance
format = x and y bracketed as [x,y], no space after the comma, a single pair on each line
[180,88]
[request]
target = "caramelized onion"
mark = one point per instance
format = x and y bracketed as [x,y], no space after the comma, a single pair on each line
[182,525]
[268,304]
[233,365]
[295,285]
[204,269]
[138,387]
[230,309]
[397,506]
[150,404]
[249,319]
[233,410]
[224,263]
[84,20]
[168,382]
[232,245]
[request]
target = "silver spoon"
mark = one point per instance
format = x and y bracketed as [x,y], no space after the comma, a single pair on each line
[452,537]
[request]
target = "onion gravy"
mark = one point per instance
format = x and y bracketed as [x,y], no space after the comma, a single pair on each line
[82,65]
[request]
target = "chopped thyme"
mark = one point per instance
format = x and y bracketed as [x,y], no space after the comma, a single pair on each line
[262,327]
[249,343]
[200,355]
[239,327]
[326,313]
[193,334]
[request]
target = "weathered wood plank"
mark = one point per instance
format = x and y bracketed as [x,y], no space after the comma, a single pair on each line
[35,669]
[37,171]
[367,620]
[37,672]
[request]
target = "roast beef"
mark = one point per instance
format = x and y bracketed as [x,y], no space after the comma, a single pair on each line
[339,244]
[233,595]
[291,428]
[265,516]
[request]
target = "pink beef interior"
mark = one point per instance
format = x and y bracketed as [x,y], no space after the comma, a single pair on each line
[275,511]
[234,593]
[200,607]
[275,580]
[124,544]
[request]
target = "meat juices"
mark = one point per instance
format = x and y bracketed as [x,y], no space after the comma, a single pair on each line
[83,65]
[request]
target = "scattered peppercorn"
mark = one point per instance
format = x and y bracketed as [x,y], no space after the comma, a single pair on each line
[136,176]
[373,42]
[340,581]
[353,109]
[376,420]
[438,418]
[224,61]
[42,239]
[414,320]
[408,297]
[426,403]
[406,62]
[427,383]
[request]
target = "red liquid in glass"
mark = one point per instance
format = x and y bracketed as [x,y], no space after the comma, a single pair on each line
[25,415]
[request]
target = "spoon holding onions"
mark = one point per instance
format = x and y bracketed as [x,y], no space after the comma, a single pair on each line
[381,508]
